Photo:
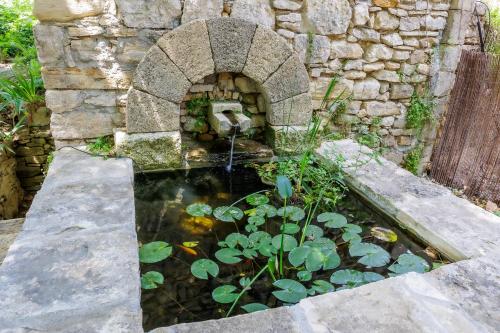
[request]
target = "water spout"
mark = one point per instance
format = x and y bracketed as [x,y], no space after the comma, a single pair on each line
[229,167]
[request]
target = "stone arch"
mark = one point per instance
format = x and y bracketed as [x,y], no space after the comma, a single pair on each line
[200,48]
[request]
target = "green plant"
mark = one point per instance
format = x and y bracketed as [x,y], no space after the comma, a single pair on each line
[25,87]
[369,136]
[16,31]
[413,158]
[102,145]
[419,112]
[197,107]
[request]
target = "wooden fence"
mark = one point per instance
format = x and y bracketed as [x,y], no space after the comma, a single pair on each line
[467,155]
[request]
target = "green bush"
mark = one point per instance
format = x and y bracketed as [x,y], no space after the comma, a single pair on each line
[419,112]
[413,158]
[16,32]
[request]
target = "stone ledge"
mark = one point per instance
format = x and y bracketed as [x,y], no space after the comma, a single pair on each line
[76,268]
[454,226]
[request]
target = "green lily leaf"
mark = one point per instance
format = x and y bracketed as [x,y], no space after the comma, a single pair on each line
[292,213]
[346,276]
[235,238]
[372,277]
[257,199]
[298,255]
[322,242]
[322,287]
[289,242]
[224,294]
[333,220]
[203,267]
[386,235]
[250,253]
[284,187]
[228,255]
[290,228]
[256,220]
[254,307]
[151,280]
[371,255]
[351,237]
[228,214]
[331,261]
[409,263]
[266,210]
[292,292]
[259,237]
[251,228]
[304,275]
[313,231]
[353,228]
[153,252]
[199,209]
[245,281]
[267,250]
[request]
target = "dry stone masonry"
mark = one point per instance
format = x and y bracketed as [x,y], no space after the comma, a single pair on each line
[94,51]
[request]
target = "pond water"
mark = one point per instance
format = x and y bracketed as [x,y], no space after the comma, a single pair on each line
[161,200]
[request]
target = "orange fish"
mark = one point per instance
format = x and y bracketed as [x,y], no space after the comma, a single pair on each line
[188,250]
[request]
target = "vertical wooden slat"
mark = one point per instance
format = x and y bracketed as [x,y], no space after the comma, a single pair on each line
[467,154]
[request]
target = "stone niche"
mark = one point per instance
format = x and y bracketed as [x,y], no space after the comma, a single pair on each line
[205,60]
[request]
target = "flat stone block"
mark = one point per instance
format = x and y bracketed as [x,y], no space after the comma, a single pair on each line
[156,14]
[147,113]
[286,140]
[454,226]
[151,151]
[289,80]
[268,51]
[156,72]
[292,111]
[201,9]
[66,10]
[219,107]
[188,47]
[230,39]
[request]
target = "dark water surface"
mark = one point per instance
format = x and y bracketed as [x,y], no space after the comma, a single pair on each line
[160,204]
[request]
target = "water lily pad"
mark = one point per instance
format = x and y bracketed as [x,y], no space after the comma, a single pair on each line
[322,287]
[254,307]
[292,291]
[284,187]
[266,210]
[224,294]
[256,220]
[153,252]
[371,255]
[250,253]
[259,236]
[245,281]
[289,242]
[292,213]
[228,255]
[353,228]
[333,220]
[235,238]
[151,280]
[321,242]
[298,255]
[228,214]
[409,263]
[372,277]
[351,236]
[257,199]
[346,276]
[251,228]
[386,235]
[199,209]
[313,231]
[203,267]
[290,228]
[304,275]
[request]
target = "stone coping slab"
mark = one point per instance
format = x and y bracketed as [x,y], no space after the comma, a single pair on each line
[74,267]
[454,226]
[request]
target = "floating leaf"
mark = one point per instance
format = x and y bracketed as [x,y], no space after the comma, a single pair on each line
[351,236]
[353,228]
[408,262]
[292,292]
[254,307]
[284,187]
[250,253]
[191,244]
[199,209]
[298,255]
[251,228]
[266,210]
[245,281]
[304,275]
[290,228]
[228,214]
[371,255]
[372,277]
[322,242]
[332,261]
[313,231]
[224,294]
[256,220]
[228,256]
[267,250]
[289,242]
[153,252]
[203,267]
[292,213]
[257,199]
[235,238]
[346,276]
[386,235]
[333,220]
[322,287]
[259,236]
[151,280]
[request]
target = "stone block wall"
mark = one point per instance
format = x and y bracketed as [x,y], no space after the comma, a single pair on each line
[382,50]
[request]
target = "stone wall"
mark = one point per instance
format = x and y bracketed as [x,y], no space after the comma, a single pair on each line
[383,50]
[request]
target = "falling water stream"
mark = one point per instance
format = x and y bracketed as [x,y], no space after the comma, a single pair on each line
[229,167]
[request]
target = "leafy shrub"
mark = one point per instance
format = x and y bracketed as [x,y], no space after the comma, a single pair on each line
[103,145]
[419,112]
[413,158]
[16,32]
